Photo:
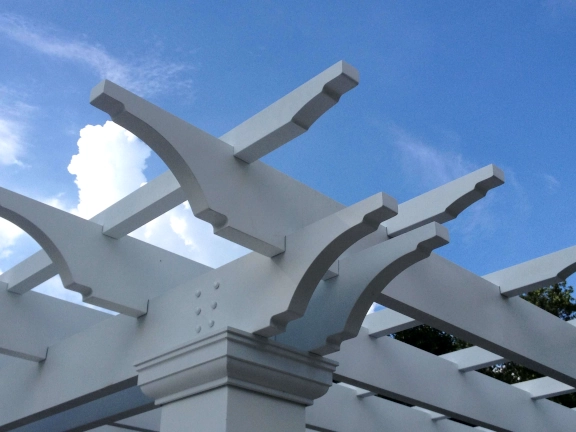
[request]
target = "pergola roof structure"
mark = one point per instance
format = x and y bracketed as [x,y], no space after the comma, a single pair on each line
[277,340]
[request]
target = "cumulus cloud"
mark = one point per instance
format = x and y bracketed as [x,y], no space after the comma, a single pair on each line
[180,232]
[148,76]
[109,165]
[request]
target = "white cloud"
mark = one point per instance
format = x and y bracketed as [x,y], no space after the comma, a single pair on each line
[148,76]
[431,165]
[180,232]
[109,165]
[53,287]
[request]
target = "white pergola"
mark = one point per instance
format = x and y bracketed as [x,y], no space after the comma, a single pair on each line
[277,340]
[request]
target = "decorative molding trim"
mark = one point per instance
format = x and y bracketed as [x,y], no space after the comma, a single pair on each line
[231,357]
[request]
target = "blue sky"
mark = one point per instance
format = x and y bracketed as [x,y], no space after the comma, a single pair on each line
[446,87]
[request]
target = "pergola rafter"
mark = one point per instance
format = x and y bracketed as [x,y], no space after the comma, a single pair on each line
[259,341]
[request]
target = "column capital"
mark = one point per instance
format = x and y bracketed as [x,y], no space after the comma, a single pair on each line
[231,357]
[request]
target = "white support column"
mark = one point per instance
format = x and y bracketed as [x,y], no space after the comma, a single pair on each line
[232,381]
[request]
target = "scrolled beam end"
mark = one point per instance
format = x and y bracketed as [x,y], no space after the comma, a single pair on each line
[292,115]
[445,202]
[104,96]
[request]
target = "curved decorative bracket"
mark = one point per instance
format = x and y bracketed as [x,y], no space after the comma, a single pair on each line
[246,204]
[261,295]
[339,305]
[120,275]
[530,275]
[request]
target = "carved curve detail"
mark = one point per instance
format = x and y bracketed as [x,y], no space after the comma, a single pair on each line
[155,127]
[48,226]
[312,250]
[341,303]
[120,275]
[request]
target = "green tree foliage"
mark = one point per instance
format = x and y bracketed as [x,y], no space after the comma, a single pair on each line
[556,299]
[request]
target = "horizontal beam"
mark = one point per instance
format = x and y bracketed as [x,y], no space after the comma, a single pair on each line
[163,193]
[29,273]
[57,373]
[530,275]
[340,410]
[90,414]
[545,387]
[433,415]
[292,115]
[141,206]
[473,358]
[397,370]
[442,294]
[33,322]
[386,322]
